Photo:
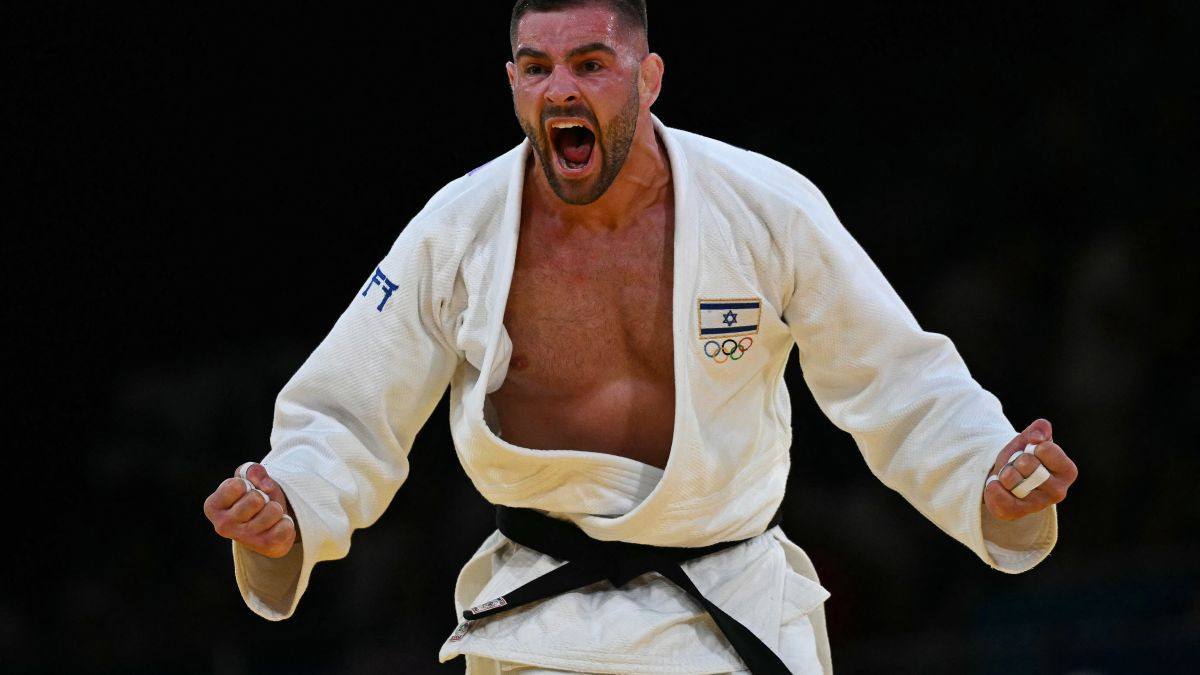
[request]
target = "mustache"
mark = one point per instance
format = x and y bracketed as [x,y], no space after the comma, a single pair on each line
[579,110]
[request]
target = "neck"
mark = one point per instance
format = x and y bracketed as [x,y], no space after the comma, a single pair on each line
[644,180]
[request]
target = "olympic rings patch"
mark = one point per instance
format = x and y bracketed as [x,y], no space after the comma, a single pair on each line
[727,349]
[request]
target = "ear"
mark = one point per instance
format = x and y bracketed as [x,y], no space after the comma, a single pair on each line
[512,75]
[650,79]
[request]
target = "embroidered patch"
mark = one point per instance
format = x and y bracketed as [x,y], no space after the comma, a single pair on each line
[490,604]
[728,349]
[385,284]
[729,318]
[460,632]
[726,326]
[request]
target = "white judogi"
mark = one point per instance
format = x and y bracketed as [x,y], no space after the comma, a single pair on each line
[761,264]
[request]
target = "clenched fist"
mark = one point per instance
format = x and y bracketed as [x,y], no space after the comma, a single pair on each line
[252,509]
[1012,467]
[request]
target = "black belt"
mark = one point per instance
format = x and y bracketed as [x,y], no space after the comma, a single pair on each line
[590,560]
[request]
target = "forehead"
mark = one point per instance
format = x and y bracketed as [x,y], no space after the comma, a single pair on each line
[562,30]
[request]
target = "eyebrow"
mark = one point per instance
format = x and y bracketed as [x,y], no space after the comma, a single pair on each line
[582,49]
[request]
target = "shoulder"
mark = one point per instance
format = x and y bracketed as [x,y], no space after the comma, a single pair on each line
[730,176]
[465,214]
[474,199]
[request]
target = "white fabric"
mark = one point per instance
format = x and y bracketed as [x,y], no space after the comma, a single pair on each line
[746,227]
[798,645]
[650,625]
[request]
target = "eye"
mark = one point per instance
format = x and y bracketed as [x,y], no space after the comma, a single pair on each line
[534,69]
[591,66]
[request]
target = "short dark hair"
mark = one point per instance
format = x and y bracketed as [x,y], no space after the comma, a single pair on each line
[633,11]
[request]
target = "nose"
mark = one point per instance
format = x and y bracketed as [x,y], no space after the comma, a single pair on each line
[561,87]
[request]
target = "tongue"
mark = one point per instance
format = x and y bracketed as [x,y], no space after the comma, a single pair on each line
[577,146]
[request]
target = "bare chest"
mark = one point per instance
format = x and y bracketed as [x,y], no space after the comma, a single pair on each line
[589,310]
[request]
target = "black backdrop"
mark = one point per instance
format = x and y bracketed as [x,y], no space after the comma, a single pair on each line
[197,192]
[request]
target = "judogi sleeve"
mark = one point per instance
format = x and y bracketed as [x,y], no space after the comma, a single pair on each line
[926,428]
[346,420]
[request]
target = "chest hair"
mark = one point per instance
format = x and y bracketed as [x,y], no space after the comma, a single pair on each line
[585,309]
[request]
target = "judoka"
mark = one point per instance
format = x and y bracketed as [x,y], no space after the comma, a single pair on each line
[637,485]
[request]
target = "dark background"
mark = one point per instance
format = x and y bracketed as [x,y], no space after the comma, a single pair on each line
[198,193]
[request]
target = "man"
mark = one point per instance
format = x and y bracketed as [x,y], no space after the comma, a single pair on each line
[612,304]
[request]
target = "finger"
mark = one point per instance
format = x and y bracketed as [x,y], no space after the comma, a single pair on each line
[1035,433]
[1010,478]
[1031,482]
[1006,453]
[276,541]
[227,493]
[243,470]
[248,506]
[1001,503]
[257,474]
[1005,506]
[1040,430]
[264,520]
[1056,460]
[1054,490]
[1026,463]
[1034,502]
[233,502]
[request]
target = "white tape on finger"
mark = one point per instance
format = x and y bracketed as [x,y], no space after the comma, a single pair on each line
[1012,460]
[1039,476]
[244,470]
[266,499]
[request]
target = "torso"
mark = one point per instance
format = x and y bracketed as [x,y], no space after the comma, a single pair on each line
[589,315]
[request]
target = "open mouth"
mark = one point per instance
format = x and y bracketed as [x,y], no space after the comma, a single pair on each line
[573,144]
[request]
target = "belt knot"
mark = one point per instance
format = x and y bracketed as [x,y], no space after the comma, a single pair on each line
[630,561]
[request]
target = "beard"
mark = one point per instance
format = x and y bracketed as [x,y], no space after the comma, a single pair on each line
[614,140]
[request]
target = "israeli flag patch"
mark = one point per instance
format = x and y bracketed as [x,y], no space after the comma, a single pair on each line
[727,318]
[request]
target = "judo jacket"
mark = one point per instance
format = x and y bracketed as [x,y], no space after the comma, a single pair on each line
[761,265]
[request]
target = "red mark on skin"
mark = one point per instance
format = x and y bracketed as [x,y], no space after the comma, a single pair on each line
[520,362]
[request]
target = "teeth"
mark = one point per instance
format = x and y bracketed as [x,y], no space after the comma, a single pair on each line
[566,125]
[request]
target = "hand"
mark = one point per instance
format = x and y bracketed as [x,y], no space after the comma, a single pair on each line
[252,509]
[1002,503]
